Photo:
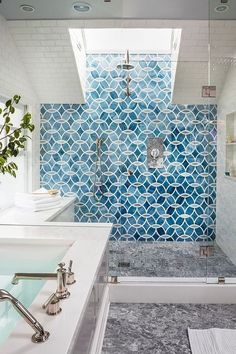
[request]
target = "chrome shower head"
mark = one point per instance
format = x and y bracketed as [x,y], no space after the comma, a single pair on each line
[126,65]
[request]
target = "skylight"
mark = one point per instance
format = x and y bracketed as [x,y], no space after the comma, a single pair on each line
[137,40]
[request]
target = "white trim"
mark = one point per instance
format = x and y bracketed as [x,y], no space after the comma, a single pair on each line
[122,52]
[178,280]
[231,178]
[158,280]
[228,280]
[173,293]
[99,333]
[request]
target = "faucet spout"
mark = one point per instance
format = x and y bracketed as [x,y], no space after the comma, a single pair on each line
[40,334]
[46,276]
[61,276]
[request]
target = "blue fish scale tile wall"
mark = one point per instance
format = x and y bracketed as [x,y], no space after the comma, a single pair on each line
[173,203]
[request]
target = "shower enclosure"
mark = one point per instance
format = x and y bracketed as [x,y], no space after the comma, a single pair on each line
[164,216]
[222,75]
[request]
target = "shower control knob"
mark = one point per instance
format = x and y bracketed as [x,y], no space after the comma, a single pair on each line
[52,305]
[61,265]
[155,153]
[70,275]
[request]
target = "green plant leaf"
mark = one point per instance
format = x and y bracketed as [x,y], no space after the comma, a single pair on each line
[2,160]
[16,133]
[12,109]
[14,140]
[8,103]
[16,98]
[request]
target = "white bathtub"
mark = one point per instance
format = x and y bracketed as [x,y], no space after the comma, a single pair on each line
[85,245]
[25,256]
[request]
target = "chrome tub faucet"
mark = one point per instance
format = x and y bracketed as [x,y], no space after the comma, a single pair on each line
[33,276]
[40,334]
[61,277]
[62,291]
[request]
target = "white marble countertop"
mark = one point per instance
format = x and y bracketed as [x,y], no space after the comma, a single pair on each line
[88,245]
[20,216]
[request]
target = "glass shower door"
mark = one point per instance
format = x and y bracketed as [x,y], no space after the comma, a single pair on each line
[163,209]
[221,266]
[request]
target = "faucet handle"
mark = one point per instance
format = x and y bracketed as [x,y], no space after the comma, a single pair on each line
[70,266]
[61,266]
[70,275]
[52,305]
[62,291]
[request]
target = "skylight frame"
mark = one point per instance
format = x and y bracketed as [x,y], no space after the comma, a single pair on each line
[118,40]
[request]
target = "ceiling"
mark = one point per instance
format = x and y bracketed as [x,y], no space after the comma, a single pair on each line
[46,51]
[148,9]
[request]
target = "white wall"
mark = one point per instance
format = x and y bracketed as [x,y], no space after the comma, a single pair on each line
[46,50]
[77,42]
[226,188]
[14,80]
[13,75]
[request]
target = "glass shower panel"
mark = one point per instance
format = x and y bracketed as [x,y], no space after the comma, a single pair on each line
[137,155]
[222,262]
[103,132]
[164,206]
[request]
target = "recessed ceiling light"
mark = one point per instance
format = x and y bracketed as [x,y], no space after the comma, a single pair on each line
[82,7]
[221,8]
[27,8]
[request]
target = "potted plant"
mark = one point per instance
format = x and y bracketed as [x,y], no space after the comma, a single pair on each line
[12,139]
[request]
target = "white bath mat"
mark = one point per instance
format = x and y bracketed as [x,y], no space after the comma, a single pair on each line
[212,341]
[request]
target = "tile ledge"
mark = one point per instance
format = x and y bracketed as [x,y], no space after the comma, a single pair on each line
[230,178]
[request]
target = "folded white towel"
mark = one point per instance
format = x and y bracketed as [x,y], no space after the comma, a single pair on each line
[38,207]
[212,341]
[39,194]
[47,206]
[41,200]
[48,200]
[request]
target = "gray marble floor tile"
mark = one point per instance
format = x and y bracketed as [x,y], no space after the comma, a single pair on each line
[166,259]
[160,328]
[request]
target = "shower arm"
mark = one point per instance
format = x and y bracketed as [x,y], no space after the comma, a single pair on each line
[127,56]
[128,80]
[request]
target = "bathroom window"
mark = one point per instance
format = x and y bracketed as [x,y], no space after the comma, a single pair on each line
[8,184]
[137,40]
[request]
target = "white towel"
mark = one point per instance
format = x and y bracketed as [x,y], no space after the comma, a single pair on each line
[39,194]
[212,341]
[42,200]
[38,207]
[48,200]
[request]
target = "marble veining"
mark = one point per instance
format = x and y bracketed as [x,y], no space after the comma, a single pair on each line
[166,259]
[161,328]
